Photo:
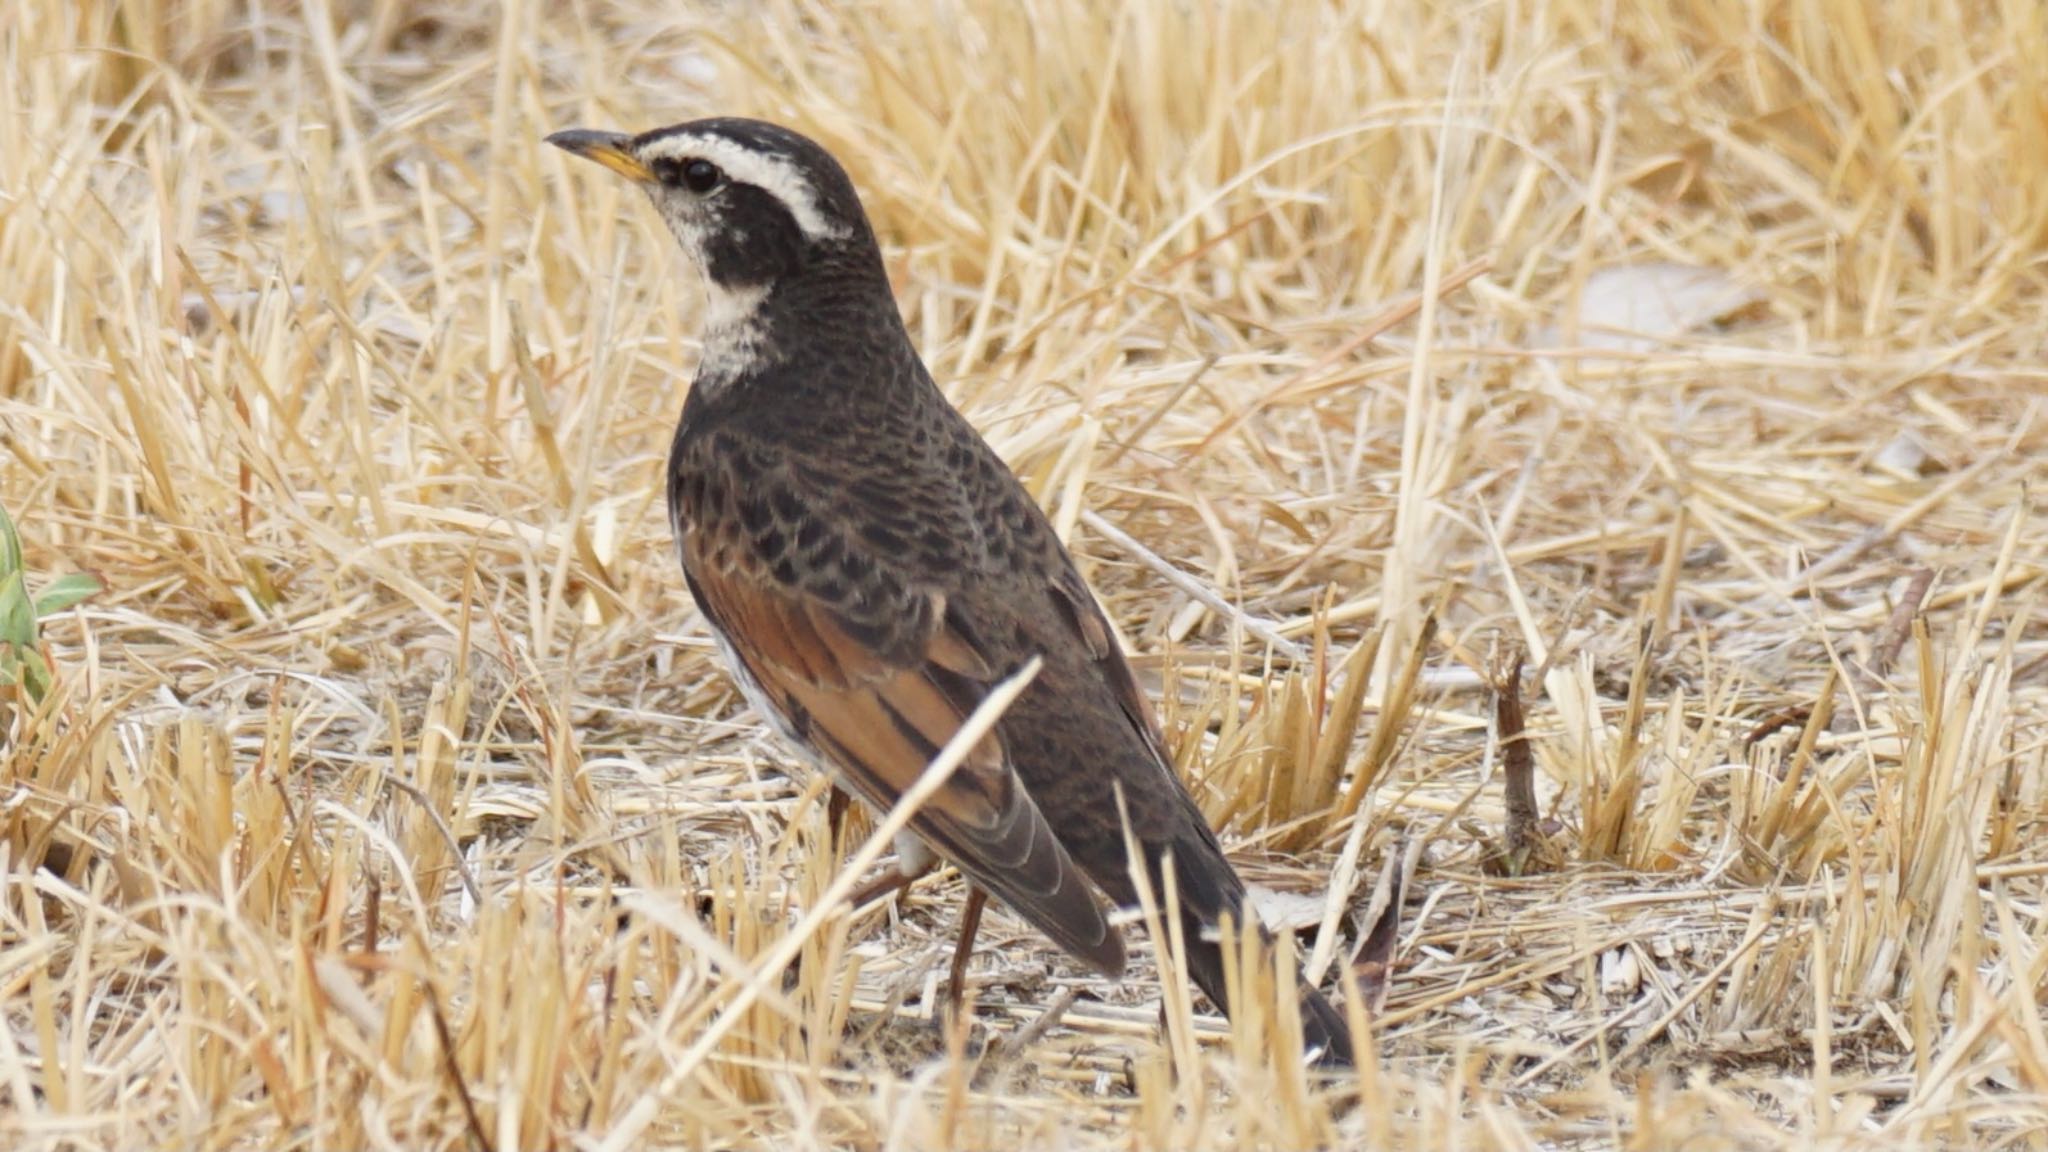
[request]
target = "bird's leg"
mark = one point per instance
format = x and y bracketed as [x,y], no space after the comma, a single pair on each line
[914,862]
[891,880]
[894,880]
[836,809]
[910,867]
[963,949]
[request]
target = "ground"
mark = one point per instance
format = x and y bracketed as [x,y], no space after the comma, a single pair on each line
[388,793]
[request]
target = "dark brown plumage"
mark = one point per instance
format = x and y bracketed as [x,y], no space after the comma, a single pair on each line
[873,568]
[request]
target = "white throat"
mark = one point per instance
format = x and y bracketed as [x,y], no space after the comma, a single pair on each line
[733,332]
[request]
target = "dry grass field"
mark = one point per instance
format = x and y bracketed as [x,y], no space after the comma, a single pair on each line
[387,794]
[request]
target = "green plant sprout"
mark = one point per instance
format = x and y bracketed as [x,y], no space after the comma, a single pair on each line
[21,615]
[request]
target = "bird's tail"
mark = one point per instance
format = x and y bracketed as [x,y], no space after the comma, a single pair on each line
[1210,889]
[1326,1037]
[1207,890]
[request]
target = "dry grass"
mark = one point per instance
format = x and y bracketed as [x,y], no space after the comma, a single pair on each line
[356,399]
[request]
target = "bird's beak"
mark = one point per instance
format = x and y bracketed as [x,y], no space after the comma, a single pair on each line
[611,149]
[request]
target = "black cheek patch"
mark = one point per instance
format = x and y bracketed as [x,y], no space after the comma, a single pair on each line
[756,240]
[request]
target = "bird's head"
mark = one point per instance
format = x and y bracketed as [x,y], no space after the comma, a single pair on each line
[754,204]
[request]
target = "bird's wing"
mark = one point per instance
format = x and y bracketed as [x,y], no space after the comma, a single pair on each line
[1157,803]
[873,671]
[1084,615]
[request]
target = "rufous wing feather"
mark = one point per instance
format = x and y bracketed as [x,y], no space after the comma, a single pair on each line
[880,719]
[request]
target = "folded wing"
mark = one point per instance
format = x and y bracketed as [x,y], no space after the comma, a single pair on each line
[878,693]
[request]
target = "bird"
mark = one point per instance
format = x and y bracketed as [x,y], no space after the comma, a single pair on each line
[871,569]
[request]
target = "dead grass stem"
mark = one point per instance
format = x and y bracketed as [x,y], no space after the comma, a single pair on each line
[389,795]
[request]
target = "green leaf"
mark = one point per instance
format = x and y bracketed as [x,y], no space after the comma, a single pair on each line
[17,614]
[35,675]
[10,545]
[65,591]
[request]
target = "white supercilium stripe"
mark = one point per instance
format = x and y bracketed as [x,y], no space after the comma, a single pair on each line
[770,173]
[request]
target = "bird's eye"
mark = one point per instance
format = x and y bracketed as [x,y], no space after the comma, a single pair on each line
[701,176]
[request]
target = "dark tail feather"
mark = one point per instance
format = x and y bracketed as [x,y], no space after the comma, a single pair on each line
[1207,888]
[1326,1037]
[1322,1026]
